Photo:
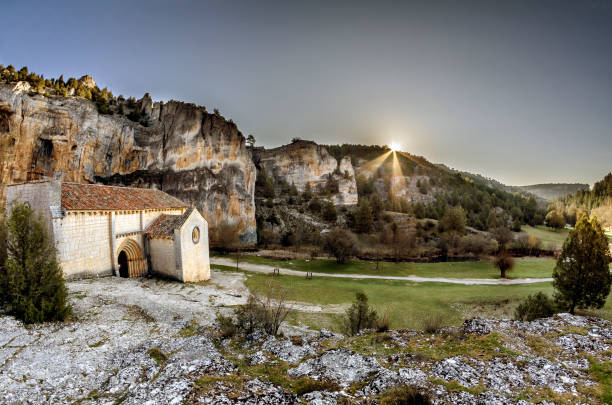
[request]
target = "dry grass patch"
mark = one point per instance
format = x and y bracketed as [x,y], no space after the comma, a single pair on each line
[158,355]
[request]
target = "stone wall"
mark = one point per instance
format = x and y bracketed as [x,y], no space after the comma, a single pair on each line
[128,222]
[40,196]
[83,244]
[195,263]
[162,258]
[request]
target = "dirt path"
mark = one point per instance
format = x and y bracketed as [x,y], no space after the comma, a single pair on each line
[262,268]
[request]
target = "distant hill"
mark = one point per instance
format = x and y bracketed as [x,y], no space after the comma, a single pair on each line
[543,193]
[552,191]
[492,183]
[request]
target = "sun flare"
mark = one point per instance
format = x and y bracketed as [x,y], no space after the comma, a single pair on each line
[394,146]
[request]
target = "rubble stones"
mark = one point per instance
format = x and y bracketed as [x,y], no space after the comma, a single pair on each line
[251,392]
[476,326]
[454,368]
[339,365]
[320,398]
[413,376]
[384,380]
[285,350]
[580,343]
[259,357]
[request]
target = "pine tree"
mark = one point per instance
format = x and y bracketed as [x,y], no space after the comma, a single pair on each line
[582,276]
[307,194]
[364,221]
[329,212]
[360,315]
[454,220]
[30,277]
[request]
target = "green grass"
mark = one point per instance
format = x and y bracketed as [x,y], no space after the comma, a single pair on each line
[603,373]
[548,236]
[189,330]
[156,354]
[526,267]
[408,304]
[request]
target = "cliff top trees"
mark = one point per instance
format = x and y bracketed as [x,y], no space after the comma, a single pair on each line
[250,141]
[31,280]
[582,276]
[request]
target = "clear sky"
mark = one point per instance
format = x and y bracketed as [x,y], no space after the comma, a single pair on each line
[517,91]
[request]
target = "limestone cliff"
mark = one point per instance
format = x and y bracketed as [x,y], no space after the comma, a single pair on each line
[305,162]
[194,155]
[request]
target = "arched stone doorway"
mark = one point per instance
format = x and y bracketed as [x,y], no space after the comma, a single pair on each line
[130,259]
[123,265]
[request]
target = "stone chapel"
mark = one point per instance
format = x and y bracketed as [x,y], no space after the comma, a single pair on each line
[103,230]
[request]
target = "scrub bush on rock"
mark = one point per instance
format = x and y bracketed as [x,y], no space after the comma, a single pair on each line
[535,306]
[265,312]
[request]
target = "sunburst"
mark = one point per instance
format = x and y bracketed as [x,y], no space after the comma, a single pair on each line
[394,146]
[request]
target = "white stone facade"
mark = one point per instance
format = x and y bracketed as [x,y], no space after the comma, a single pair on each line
[90,242]
[192,253]
[163,260]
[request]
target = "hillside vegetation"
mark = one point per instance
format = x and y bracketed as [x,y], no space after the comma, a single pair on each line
[407,208]
[595,202]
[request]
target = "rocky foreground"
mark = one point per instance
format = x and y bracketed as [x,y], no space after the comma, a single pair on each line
[147,341]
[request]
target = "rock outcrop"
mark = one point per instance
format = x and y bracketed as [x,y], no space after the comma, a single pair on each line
[305,162]
[194,155]
[146,341]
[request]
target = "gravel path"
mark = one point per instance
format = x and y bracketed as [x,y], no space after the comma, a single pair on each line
[262,268]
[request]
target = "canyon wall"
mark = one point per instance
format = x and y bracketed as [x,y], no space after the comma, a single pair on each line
[194,155]
[305,162]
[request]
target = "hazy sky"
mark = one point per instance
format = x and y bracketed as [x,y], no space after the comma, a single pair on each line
[517,91]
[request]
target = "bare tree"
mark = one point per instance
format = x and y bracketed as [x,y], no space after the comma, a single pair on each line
[274,307]
[341,244]
[227,238]
[267,311]
[504,262]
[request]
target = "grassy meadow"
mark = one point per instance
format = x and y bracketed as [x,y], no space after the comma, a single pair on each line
[408,304]
[525,267]
[550,237]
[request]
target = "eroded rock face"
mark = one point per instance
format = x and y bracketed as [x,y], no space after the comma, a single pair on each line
[305,162]
[185,151]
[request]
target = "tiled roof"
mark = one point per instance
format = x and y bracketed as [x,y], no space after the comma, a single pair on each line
[79,196]
[164,225]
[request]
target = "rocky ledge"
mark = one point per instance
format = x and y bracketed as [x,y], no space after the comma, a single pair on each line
[154,342]
[548,361]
